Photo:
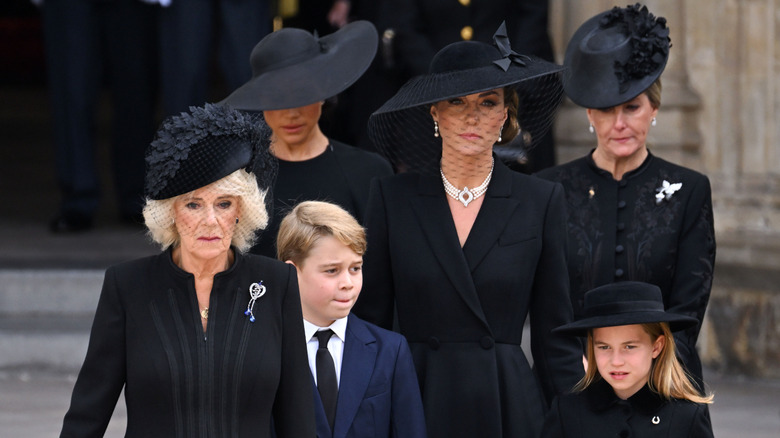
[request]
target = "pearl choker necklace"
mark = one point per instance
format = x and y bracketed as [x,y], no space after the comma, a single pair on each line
[466,195]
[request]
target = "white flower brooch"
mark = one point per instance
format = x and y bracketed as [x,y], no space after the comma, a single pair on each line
[666,191]
[256,290]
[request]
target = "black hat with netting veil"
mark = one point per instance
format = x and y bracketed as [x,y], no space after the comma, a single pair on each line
[199,147]
[403,129]
[292,68]
[624,303]
[615,56]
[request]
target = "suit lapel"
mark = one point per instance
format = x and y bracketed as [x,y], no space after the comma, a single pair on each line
[434,216]
[357,366]
[492,218]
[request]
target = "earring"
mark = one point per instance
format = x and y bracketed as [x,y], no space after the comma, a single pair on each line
[436,129]
[501,131]
[591,128]
[653,122]
[236,220]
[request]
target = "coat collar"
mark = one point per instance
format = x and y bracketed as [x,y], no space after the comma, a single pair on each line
[602,397]
[628,175]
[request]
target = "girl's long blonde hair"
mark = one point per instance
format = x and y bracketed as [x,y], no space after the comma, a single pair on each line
[667,376]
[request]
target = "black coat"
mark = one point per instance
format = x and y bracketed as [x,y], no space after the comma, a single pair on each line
[618,231]
[463,310]
[598,412]
[424,27]
[235,380]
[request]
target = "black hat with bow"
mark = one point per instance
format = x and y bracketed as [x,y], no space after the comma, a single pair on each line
[401,128]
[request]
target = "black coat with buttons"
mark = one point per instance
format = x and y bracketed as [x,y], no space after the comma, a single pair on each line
[423,27]
[463,309]
[598,412]
[621,230]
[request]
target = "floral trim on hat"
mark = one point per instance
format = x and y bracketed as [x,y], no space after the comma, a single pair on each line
[650,42]
[178,134]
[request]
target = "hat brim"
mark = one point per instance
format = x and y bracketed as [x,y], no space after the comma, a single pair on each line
[581,327]
[428,89]
[346,55]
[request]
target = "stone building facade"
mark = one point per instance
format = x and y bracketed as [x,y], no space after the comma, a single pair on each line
[720,115]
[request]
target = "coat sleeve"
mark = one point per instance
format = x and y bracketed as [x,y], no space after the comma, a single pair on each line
[103,373]
[692,280]
[557,358]
[408,420]
[376,301]
[294,406]
[552,427]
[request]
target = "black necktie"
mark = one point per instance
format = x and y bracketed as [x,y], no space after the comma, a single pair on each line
[326,376]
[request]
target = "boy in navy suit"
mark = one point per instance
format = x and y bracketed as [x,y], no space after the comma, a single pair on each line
[364,379]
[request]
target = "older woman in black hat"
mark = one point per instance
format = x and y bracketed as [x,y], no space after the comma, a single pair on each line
[294,73]
[205,340]
[634,385]
[465,248]
[632,215]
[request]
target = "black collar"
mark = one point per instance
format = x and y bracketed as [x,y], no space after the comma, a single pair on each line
[602,397]
[628,175]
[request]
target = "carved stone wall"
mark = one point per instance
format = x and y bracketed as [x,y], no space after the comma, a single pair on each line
[720,115]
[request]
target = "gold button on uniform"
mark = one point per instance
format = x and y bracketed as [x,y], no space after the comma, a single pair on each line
[465,2]
[466,33]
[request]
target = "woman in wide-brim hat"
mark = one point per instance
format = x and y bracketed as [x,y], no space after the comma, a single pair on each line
[294,73]
[631,214]
[203,338]
[465,248]
[634,384]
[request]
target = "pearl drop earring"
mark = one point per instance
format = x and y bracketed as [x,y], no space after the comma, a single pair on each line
[436,129]
[654,122]
[591,129]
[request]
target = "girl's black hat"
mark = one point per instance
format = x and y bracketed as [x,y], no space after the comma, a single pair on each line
[624,303]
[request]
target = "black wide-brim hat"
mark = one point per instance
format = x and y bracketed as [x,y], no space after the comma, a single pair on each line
[402,128]
[204,145]
[292,68]
[615,56]
[624,303]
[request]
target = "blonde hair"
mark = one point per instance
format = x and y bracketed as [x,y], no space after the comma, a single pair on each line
[159,214]
[311,220]
[667,376]
[653,93]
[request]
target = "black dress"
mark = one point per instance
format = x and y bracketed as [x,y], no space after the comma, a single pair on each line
[341,175]
[621,230]
[598,412]
[237,379]
[463,309]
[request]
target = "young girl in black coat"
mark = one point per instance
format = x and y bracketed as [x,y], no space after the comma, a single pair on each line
[634,385]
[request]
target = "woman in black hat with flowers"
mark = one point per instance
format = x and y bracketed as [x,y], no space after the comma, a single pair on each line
[294,73]
[632,215]
[465,248]
[634,385]
[204,339]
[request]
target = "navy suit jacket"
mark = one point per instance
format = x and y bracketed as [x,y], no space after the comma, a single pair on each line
[378,392]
